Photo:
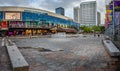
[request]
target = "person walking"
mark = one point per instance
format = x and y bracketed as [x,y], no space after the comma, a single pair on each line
[98,34]
[94,33]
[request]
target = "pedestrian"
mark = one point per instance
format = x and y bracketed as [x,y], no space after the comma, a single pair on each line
[98,35]
[30,35]
[94,35]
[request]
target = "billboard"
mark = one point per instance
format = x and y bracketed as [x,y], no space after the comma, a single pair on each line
[109,14]
[117,5]
[12,15]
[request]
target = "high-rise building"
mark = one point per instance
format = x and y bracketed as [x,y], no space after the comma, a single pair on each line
[88,13]
[98,18]
[60,10]
[108,1]
[76,14]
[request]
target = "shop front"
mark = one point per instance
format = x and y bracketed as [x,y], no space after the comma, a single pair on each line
[16,28]
[16,31]
[4,28]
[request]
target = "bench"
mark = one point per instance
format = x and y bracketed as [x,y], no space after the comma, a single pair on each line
[17,60]
[111,48]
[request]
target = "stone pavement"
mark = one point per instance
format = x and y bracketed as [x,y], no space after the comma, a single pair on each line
[68,54]
[4,59]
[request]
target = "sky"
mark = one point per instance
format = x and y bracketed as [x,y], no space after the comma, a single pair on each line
[50,5]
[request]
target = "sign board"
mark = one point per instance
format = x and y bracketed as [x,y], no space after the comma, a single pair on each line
[12,15]
[117,5]
[4,25]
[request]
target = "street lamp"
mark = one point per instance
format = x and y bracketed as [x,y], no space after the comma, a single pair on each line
[113,22]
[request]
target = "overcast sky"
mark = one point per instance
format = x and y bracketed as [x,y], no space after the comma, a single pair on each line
[50,5]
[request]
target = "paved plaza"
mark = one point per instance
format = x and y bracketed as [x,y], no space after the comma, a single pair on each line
[83,53]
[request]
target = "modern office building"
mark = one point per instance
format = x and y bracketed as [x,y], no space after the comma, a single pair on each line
[98,19]
[77,14]
[60,11]
[88,13]
[25,21]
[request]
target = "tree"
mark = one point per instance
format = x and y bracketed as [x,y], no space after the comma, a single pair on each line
[96,28]
[88,29]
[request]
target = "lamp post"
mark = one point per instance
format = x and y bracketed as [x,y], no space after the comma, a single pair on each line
[116,8]
[114,38]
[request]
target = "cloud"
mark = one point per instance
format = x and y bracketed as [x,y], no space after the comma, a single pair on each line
[101,5]
[14,2]
[107,1]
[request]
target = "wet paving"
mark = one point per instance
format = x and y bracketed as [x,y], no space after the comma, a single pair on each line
[68,54]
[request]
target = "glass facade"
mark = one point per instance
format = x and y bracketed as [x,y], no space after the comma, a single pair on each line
[29,16]
[60,10]
[1,16]
[29,22]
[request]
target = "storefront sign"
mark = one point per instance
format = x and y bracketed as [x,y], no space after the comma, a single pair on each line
[16,24]
[4,25]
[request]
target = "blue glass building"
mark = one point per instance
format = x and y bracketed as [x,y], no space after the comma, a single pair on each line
[60,11]
[22,20]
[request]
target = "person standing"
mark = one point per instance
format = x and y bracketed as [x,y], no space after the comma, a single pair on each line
[98,34]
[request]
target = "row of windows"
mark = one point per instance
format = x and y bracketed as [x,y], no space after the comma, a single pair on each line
[39,17]
[88,5]
[88,21]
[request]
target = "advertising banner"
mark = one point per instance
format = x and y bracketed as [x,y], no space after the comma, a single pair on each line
[12,15]
[117,5]
[16,24]
[117,18]
[4,25]
[117,12]
[109,14]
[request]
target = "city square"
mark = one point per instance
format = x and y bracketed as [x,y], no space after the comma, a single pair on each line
[87,53]
[60,35]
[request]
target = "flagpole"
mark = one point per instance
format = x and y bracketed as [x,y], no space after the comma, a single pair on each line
[114,35]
